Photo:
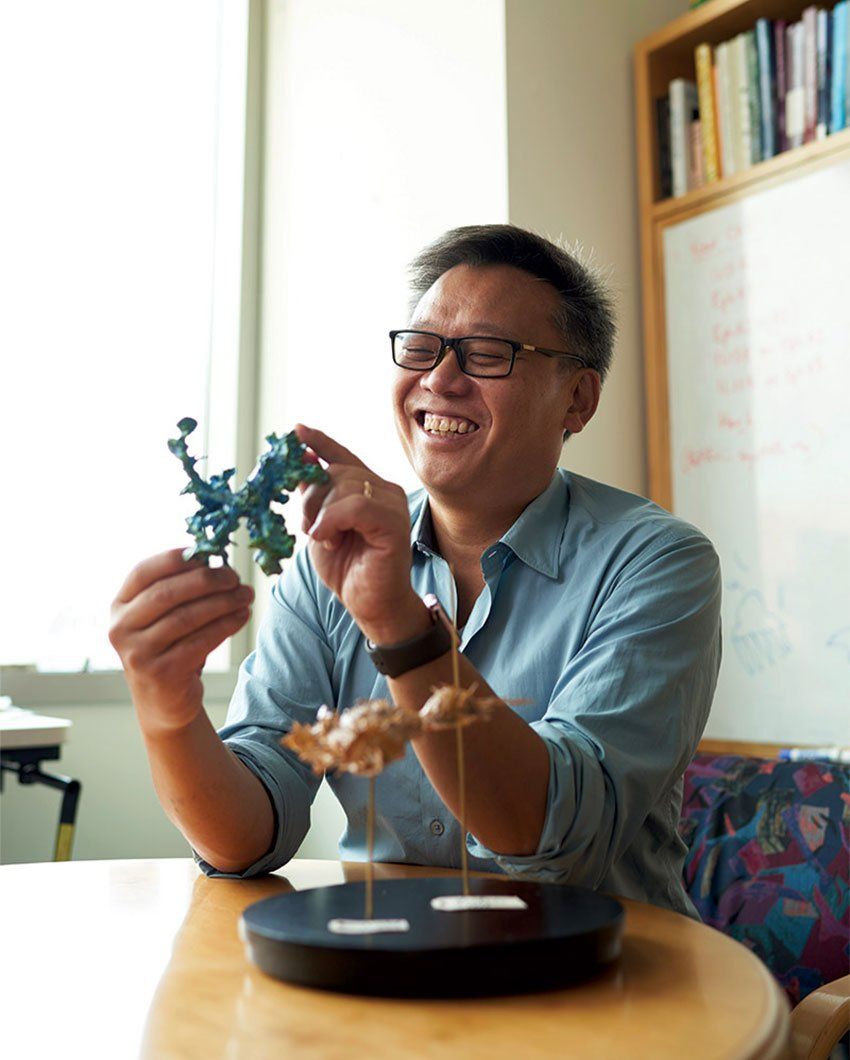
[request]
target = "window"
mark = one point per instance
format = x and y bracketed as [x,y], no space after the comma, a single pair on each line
[121,205]
[131,264]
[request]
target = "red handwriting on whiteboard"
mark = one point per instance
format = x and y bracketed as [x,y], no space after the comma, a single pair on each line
[694,458]
[723,333]
[729,268]
[738,355]
[727,422]
[702,248]
[724,299]
[804,370]
[736,385]
[752,456]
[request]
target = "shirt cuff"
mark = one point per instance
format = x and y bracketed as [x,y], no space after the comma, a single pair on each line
[550,863]
[291,814]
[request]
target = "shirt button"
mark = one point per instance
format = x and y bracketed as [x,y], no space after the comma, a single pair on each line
[437,827]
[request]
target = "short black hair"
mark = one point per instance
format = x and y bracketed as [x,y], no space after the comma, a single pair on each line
[585,314]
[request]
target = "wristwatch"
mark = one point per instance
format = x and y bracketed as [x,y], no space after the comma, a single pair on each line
[396,659]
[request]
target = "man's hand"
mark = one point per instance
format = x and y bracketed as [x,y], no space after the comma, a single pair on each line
[360,543]
[168,616]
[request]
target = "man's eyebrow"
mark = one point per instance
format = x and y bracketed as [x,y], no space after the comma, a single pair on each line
[480,327]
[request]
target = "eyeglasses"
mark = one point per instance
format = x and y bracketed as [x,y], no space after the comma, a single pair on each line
[477,355]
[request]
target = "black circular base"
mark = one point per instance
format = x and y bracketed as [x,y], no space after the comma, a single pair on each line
[566,934]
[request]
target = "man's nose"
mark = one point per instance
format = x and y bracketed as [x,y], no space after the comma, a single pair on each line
[446,374]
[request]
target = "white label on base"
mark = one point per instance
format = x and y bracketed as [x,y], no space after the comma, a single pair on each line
[341,926]
[456,903]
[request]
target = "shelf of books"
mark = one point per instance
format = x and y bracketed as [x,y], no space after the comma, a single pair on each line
[732,97]
[735,91]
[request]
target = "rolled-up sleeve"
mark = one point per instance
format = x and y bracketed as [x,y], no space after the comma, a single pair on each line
[285,680]
[627,711]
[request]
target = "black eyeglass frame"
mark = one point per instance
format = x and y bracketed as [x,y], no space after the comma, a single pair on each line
[446,343]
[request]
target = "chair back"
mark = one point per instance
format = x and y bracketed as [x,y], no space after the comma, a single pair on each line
[769,860]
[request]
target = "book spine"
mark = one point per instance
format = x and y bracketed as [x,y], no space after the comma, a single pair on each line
[708,121]
[779,27]
[822,128]
[767,87]
[662,128]
[741,118]
[696,176]
[795,101]
[683,102]
[753,96]
[722,95]
[846,64]
[810,72]
[839,67]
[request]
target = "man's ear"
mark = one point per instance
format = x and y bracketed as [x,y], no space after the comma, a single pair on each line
[584,400]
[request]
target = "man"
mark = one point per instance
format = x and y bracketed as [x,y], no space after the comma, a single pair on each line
[595,608]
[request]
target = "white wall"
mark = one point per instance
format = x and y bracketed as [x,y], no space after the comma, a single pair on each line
[571,151]
[385,126]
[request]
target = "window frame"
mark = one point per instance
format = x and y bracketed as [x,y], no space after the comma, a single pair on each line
[25,684]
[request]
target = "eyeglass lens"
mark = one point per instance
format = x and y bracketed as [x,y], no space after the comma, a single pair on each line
[479,356]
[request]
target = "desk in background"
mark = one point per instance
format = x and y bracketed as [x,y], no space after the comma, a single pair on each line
[27,740]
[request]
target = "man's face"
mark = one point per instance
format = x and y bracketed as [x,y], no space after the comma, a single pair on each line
[511,429]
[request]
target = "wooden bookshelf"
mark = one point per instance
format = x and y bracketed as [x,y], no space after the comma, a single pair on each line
[666,54]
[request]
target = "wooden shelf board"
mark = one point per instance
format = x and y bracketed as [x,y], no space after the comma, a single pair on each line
[745,748]
[665,210]
[716,21]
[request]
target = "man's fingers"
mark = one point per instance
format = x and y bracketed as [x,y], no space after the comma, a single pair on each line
[187,620]
[152,570]
[169,593]
[326,447]
[309,457]
[191,651]
[369,517]
[345,482]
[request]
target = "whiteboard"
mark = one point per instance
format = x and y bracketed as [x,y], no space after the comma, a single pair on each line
[757,304]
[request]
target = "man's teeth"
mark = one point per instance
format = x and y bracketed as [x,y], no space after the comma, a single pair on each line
[444,425]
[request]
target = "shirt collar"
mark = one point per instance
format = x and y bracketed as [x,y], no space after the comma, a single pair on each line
[422,530]
[535,537]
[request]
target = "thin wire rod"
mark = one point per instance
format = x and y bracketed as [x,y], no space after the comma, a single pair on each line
[461,774]
[371,842]
[464,861]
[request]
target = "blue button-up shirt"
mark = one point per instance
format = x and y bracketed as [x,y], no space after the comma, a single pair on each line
[600,612]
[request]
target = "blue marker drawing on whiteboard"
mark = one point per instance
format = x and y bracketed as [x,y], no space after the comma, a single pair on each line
[840,639]
[738,560]
[758,635]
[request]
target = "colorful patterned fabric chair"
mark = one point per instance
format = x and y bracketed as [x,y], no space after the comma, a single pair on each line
[769,862]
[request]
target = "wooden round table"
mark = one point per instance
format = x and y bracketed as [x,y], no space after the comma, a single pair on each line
[127,958]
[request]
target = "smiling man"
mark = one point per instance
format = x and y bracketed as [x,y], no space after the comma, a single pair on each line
[596,609]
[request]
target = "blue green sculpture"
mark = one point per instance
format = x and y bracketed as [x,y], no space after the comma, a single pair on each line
[278,472]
